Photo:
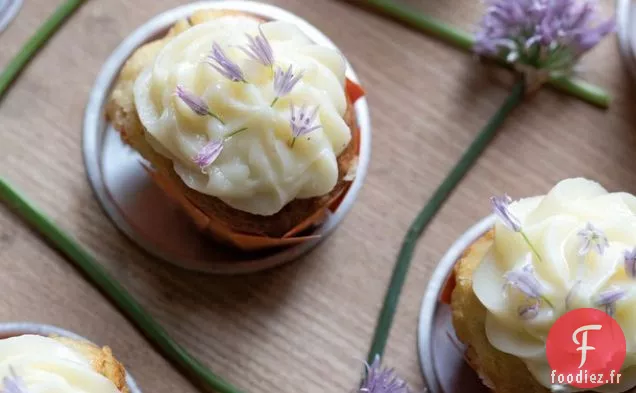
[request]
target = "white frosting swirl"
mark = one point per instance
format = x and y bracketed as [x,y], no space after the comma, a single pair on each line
[47,366]
[257,172]
[552,223]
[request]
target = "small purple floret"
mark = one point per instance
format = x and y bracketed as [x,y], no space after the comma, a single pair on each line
[545,34]
[630,262]
[284,81]
[592,238]
[13,383]
[259,49]
[382,380]
[529,312]
[222,63]
[208,154]
[525,281]
[608,299]
[194,102]
[302,121]
[501,207]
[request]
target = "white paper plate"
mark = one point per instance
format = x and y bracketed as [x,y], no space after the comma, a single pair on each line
[441,353]
[626,32]
[141,210]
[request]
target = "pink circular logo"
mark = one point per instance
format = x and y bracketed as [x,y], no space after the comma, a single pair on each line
[585,349]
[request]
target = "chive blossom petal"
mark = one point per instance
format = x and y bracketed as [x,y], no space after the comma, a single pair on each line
[381,380]
[259,49]
[525,281]
[219,60]
[208,154]
[284,82]
[302,121]
[630,262]
[592,238]
[13,383]
[195,103]
[501,207]
[547,35]
[529,312]
[608,299]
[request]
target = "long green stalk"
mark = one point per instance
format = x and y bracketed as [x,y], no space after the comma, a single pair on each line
[37,41]
[463,40]
[385,319]
[87,264]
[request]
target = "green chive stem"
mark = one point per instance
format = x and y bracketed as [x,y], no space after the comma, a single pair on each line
[400,270]
[464,41]
[216,117]
[87,264]
[549,303]
[235,132]
[529,243]
[37,41]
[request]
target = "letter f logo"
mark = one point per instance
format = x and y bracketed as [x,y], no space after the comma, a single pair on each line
[583,343]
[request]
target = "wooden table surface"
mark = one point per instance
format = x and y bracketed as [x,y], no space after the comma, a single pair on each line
[306,326]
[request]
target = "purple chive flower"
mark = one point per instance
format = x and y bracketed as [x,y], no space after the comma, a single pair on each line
[630,262]
[529,312]
[259,49]
[284,82]
[302,121]
[194,102]
[525,281]
[608,299]
[592,238]
[500,206]
[381,380]
[222,63]
[208,154]
[550,35]
[13,383]
[197,104]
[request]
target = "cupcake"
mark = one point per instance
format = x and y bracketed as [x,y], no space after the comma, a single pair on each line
[574,248]
[37,364]
[246,123]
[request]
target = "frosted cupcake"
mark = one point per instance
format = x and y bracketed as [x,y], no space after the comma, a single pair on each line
[572,248]
[247,123]
[37,364]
